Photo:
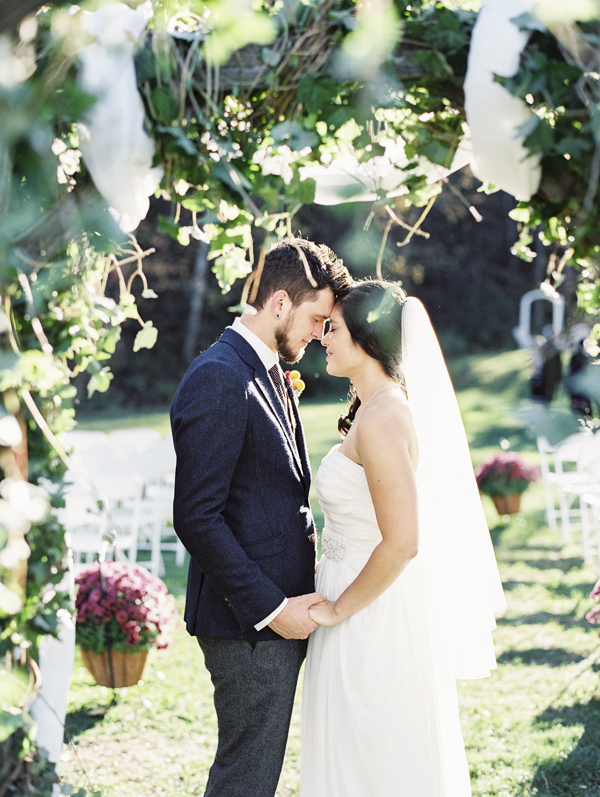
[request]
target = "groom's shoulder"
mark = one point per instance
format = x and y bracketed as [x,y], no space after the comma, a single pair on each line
[216,365]
[216,370]
[225,353]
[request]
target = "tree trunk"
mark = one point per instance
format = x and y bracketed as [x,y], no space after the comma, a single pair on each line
[511,236]
[196,302]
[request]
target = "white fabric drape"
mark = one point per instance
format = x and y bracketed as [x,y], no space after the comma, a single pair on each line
[494,116]
[115,147]
[345,179]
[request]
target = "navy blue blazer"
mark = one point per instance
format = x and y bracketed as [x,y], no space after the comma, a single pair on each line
[241,493]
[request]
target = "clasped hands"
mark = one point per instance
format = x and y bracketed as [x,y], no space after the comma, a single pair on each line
[303,614]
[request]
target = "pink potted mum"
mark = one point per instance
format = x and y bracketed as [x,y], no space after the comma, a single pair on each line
[122,612]
[505,477]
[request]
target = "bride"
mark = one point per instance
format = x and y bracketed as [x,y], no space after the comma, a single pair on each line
[407,567]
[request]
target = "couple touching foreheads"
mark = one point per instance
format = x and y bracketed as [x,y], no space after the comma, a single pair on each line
[407,585]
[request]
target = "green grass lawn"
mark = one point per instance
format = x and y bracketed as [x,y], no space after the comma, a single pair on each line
[532,728]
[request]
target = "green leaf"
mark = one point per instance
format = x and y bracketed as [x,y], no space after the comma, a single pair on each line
[230,176]
[348,131]
[183,236]
[270,221]
[235,25]
[271,57]
[595,117]
[294,135]
[317,94]
[575,146]
[223,238]
[128,306]
[9,723]
[537,133]
[198,201]
[346,18]
[230,266]
[527,21]
[146,337]
[307,190]
[166,105]
[434,62]
[180,139]
[167,225]
[145,65]
[99,382]
[438,151]
[520,214]
[14,685]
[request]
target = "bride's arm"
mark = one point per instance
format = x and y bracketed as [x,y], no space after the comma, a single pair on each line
[384,445]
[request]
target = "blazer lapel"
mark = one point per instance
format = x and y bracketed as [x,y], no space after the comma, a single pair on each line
[301,442]
[263,380]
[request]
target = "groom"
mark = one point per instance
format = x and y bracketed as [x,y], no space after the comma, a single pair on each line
[241,509]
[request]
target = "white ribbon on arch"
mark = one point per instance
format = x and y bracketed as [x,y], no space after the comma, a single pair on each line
[493,138]
[116,149]
[495,117]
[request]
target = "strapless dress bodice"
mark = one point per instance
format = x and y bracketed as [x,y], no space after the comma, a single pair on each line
[351,531]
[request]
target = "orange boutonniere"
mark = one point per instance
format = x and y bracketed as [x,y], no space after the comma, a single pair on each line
[293,377]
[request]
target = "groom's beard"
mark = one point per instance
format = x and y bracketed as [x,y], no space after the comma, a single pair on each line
[284,346]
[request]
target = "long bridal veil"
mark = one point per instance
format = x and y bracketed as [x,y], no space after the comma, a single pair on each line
[464,584]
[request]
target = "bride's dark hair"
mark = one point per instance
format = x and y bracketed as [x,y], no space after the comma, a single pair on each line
[372,311]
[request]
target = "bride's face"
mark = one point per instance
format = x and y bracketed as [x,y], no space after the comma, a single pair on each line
[344,356]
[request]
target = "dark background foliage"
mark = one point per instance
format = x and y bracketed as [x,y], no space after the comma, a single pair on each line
[463,272]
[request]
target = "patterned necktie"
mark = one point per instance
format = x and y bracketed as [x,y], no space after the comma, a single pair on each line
[278,380]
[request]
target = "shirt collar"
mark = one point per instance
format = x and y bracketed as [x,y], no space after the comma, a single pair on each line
[267,355]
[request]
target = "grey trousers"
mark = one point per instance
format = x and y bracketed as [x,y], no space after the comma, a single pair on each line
[255,684]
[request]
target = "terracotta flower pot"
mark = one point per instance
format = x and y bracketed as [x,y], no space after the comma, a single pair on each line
[507,504]
[127,668]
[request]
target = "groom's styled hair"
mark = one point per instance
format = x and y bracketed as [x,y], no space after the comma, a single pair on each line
[285,268]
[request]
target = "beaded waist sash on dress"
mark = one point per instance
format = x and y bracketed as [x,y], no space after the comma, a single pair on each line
[333,547]
[338,549]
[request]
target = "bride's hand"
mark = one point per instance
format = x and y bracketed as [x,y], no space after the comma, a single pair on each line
[323,613]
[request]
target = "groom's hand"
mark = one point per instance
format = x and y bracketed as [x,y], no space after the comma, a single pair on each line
[294,621]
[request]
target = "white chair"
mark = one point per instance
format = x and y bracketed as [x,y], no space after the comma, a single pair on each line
[565,478]
[84,522]
[133,439]
[101,505]
[82,439]
[157,468]
[90,459]
[132,471]
[586,491]
[121,489]
[592,502]
[549,480]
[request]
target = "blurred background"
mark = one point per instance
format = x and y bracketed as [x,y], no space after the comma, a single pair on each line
[463,272]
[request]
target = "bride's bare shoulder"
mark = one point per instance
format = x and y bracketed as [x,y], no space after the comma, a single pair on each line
[388,419]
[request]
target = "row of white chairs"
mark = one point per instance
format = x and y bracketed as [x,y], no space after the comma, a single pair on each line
[570,473]
[120,487]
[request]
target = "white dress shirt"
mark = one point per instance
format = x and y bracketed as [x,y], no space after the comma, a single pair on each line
[269,359]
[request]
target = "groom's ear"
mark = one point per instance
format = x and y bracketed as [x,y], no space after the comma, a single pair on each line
[279,304]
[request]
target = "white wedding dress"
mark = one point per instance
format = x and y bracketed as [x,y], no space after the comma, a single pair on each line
[379,711]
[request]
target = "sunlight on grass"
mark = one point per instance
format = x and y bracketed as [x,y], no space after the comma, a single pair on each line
[531,730]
